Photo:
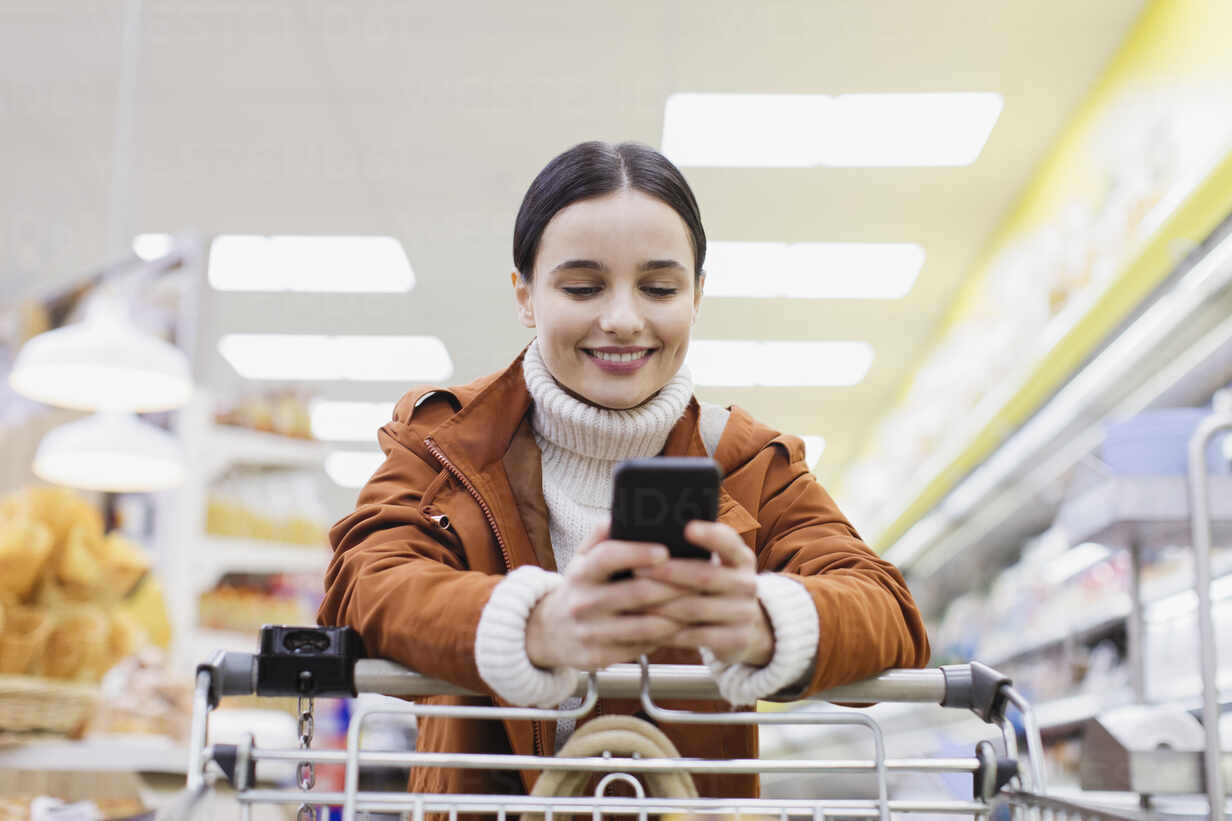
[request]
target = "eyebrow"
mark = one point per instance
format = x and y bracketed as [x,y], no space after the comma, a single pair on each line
[659,264]
[592,265]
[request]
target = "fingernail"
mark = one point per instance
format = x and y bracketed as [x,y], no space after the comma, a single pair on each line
[659,554]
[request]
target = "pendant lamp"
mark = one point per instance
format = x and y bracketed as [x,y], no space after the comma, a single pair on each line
[103,362]
[110,451]
[106,364]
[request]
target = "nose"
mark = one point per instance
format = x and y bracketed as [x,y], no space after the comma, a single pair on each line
[620,316]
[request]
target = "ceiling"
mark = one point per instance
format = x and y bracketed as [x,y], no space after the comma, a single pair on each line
[428,121]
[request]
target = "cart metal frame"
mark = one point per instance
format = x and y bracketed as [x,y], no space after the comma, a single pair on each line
[995,771]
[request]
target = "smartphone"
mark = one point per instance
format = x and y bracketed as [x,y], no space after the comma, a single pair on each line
[653,499]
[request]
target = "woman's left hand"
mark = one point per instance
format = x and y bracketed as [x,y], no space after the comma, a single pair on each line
[719,609]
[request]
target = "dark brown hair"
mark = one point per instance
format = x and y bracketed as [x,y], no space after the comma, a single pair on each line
[592,169]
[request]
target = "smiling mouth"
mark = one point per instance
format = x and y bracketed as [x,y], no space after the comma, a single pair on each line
[619,357]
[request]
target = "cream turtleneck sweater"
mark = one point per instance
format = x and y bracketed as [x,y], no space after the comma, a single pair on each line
[580,446]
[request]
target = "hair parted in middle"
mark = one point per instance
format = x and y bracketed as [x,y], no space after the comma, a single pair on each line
[592,169]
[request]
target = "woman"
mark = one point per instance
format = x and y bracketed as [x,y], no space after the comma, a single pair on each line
[478,553]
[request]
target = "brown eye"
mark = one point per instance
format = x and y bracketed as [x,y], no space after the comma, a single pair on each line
[581,290]
[661,292]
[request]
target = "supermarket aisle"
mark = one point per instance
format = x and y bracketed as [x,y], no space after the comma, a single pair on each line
[988,248]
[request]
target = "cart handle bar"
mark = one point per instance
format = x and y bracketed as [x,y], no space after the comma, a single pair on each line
[971,685]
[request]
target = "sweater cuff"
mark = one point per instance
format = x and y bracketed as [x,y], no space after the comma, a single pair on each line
[500,642]
[793,618]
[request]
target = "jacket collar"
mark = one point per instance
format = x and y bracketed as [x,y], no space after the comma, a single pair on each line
[479,440]
[477,436]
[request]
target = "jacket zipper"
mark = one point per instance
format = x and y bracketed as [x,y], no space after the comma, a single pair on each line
[487,511]
[500,540]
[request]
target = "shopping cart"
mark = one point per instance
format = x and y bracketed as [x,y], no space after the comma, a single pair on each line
[308,663]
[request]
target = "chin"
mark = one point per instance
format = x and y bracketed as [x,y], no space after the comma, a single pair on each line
[615,402]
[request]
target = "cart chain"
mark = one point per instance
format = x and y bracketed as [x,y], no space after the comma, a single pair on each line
[305,771]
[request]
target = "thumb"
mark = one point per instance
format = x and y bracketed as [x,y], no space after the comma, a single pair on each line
[599,534]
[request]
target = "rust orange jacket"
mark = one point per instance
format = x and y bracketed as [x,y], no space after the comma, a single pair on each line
[458,502]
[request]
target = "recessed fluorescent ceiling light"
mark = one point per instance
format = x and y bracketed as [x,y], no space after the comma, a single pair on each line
[349,421]
[909,129]
[813,448]
[347,358]
[787,364]
[351,468]
[812,270]
[801,130]
[318,264]
[750,130]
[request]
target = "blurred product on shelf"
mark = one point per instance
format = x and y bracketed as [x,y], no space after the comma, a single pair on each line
[74,600]
[141,696]
[1041,598]
[270,504]
[243,602]
[1156,443]
[1171,643]
[26,807]
[147,606]
[1062,759]
[1058,626]
[284,412]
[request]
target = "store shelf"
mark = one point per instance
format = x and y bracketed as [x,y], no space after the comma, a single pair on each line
[1067,714]
[1146,510]
[1064,352]
[217,555]
[1174,353]
[120,753]
[1221,566]
[1064,714]
[228,445]
[1082,633]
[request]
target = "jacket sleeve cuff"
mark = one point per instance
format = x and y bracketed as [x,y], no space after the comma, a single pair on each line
[793,618]
[500,642]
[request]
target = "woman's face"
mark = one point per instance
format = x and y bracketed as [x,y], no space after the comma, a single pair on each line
[612,297]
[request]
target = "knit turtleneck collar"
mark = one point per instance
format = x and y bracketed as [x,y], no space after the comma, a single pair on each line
[602,433]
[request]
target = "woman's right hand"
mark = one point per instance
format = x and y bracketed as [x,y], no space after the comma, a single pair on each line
[589,621]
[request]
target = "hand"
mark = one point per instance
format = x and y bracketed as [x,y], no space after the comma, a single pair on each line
[590,622]
[719,608]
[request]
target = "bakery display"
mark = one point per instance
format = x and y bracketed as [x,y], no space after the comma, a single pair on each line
[65,589]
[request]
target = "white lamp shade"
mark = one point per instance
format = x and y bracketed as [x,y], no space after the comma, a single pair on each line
[115,452]
[102,364]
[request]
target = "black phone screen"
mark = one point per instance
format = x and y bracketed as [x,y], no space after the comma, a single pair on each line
[653,499]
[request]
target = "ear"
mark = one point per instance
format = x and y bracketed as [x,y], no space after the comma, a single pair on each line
[697,295]
[522,294]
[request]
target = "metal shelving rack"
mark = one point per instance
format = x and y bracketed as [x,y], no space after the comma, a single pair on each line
[1136,512]
[1175,350]
[201,559]
[193,559]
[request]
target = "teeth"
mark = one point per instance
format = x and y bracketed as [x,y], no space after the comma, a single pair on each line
[618,357]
